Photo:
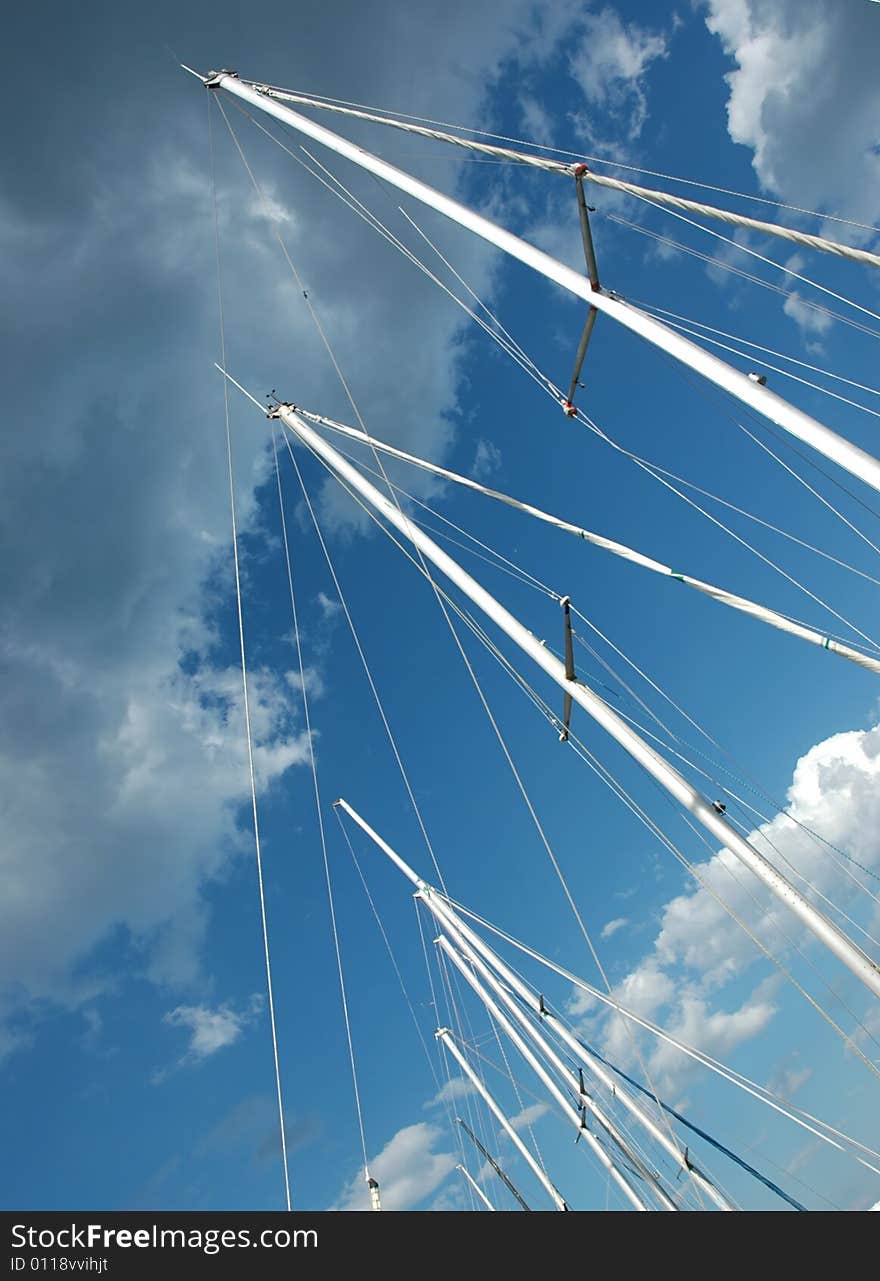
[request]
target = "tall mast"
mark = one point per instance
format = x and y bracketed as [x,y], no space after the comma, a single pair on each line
[445,1037]
[476,1187]
[765,402]
[452,922]
[656,765]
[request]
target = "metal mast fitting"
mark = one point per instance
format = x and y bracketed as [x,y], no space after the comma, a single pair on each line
[375,1202]
[656,765]
[761,399]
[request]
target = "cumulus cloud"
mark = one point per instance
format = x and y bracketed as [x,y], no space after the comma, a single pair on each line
[804,86]
[700,949]
[408,1169]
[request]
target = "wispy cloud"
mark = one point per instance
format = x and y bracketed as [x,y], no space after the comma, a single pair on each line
[457,1087]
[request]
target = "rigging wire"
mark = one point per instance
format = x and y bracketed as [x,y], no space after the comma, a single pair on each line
[441,1049]
[456,1020]
[723,402]
[244,681]
[659,474]
[384,933]
[786,373]
[827,1133]
[769,351]
[438,594]
[578,155]
[674,849]
[509,567]
[383,469]
[694,870]
[776,805]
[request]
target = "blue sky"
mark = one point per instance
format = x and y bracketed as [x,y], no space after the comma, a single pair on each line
[135,1043]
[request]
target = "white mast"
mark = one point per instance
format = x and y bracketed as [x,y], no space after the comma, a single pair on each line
[444,1035]
[765,402]
[666,774]
[754,610]
[569,1111]
[581,170]
[450,920]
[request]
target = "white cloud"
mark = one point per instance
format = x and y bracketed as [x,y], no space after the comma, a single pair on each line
[610,62]
[808,319]
[610,928]
[408,1169]
[699,948]
[211,1029]
[537,121]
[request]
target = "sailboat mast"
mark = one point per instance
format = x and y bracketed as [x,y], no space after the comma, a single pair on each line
[765,402]
[656,765]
